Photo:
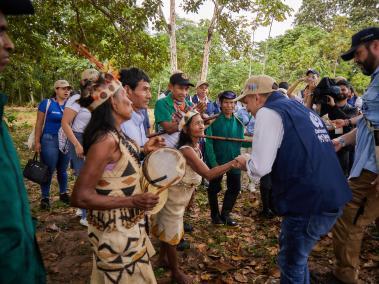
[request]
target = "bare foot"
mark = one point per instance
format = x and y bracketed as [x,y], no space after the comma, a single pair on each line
[181,278]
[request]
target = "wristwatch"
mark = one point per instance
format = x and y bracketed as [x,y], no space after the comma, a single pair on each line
[341,141]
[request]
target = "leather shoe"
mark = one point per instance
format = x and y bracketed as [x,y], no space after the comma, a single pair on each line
[228,221]
[216,220]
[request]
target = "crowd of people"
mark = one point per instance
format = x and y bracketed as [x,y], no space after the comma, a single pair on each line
[314,153]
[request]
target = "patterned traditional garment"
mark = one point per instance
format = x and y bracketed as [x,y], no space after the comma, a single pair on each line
[167,224]
[122,249]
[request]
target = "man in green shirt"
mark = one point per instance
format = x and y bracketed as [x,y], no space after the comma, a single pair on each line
[220,152]
[169,110]
[20,260]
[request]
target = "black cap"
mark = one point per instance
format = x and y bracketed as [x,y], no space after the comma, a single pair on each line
[16,7]
[360,37]
[312,71]
[180,79]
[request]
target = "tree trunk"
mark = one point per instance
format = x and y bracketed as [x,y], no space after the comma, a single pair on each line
[171,29]
[207,45]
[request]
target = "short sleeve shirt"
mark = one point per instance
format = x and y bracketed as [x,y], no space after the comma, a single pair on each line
[53,116]
[82,117]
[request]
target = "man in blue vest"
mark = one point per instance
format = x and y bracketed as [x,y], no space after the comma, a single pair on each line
[308,185]
[363,209]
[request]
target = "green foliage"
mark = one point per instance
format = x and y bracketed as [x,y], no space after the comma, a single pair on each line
[322,13]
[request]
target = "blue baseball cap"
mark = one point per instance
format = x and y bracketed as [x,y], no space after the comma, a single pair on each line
[357,39]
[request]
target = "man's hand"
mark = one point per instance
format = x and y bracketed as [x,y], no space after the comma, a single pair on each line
[241,159]
[201,107]
[331,101]
[376,183]
[338,123]
[145,201]
[153,144]
[337,144]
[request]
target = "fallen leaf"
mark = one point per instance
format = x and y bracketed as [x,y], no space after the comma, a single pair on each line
[52,228]
[240,277]
[206,276]
[275,272]
[220,266]
[238,257]
[201,247]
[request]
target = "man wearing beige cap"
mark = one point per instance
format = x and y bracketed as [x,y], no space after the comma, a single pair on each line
[308,185]
[202,89]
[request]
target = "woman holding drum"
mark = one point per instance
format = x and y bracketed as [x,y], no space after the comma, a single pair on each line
[109,186]
[168,223]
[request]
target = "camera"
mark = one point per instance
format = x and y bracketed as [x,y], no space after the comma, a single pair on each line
[326,87]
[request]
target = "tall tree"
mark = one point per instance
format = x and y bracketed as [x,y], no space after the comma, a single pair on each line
[233,27]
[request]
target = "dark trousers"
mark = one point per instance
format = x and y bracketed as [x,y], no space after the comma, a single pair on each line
[265,189]
[233,183]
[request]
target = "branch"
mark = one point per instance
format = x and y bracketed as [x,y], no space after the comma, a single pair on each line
[163,18]
[83,35]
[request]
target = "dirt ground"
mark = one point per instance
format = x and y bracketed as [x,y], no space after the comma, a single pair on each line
[246,254]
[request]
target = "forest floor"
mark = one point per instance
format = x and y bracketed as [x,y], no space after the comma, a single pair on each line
[218,254]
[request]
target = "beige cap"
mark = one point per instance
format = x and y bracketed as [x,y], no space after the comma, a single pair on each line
[340,78]
[90,74]
[260,84]
[61,84]
[199,83]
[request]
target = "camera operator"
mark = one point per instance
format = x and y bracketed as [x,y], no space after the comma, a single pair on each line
[337,108]
[311,79]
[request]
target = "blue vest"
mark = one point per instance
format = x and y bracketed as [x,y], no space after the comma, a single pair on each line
[306,175]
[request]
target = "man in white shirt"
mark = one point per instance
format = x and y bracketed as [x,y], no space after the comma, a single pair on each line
[308,185]
[137,86]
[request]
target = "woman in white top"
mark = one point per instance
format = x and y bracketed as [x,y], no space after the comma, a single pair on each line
[74,121]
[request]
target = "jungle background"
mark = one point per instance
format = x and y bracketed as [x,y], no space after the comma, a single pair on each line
[222,50]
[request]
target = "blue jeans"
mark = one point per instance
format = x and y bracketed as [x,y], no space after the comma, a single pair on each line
[55,160]
[297,238]
[76,162]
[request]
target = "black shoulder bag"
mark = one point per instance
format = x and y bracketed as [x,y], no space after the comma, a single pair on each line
[36,171]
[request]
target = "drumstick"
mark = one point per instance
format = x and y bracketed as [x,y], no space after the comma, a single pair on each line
[167,186]
[227,138]
[163,131]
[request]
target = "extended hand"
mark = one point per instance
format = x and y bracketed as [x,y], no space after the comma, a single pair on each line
[338,123]
[331,101]
[376,183]
[153,144]
[201,107]
[337,144]
[145,201]
[241,159]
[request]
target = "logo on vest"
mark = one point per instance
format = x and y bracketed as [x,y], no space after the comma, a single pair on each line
[320,131]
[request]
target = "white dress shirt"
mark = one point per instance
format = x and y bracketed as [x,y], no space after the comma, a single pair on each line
[134,128]
[268,136]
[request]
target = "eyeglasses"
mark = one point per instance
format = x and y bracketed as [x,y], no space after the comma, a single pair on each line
[68,88]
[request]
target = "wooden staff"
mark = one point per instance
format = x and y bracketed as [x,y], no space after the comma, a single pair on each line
[164,132]
[227,138]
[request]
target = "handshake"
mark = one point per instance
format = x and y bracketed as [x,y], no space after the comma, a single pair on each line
[240,162]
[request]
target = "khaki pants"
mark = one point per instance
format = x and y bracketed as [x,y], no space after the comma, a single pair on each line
[347,237]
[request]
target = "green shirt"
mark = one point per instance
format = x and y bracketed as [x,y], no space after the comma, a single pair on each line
[164,109]
[20,259]
[220,152]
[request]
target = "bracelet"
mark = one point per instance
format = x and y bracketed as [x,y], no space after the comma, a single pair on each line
[341,141]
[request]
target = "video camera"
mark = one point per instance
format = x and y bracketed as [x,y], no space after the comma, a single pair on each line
[326,87]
